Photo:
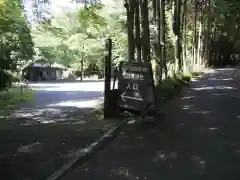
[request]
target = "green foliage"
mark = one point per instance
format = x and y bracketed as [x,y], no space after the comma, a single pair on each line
[16,44]
[4,79]
[9,99]
[77,38]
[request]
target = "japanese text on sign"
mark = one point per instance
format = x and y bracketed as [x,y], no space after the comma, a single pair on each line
[133,87]
[133,76]
[134,73]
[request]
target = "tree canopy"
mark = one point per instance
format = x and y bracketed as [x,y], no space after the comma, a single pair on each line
[15,38]
[183,34]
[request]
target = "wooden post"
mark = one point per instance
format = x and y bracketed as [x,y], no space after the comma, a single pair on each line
[107,89]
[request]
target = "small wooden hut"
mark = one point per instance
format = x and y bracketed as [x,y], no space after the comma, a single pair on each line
[38,71]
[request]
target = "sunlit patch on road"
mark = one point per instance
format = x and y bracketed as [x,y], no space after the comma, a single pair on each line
[76,87]
[187,97]
[220,79]
[213,87]
[31,148]
[78,104]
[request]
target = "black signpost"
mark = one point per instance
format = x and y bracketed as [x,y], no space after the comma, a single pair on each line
[136,87]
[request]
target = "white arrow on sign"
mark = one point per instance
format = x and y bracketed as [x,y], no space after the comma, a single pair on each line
[129,97]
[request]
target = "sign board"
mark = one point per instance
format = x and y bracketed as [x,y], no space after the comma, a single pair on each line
[135,86]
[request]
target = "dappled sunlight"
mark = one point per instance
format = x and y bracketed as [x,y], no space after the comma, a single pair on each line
[225,69]
[78,104]
[210,71]
[218,94]
[188,97]
[123,172]
[40,84]
[69,88]
[73,87]
[95,86]
[186,107]
[203,85]
[220,79]
[31,148]
[200,163]
[43,116]
[31,113]
[194,80]
[212,128]
[31,116]
[200,112]
[163,156]
[213,88]
[63,102]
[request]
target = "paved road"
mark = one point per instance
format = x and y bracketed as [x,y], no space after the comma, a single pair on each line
[197,140]
[54,101]
[32,145]
[78,94]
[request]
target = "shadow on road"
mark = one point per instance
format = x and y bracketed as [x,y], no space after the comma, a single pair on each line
[40,136]
[198,138]
[56,102]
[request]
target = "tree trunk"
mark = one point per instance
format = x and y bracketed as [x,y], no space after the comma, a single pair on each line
[209,57]
[163,37]
[130,22]
[146,34]
[185,34]
[199,59]
[179,36]
[158,41]
[200,37]
[195,36]
[82,73]
[137,31]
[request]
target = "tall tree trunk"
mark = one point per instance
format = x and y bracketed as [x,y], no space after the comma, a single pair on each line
[209,57]
[177,29]
[158,38]
[195,35]
[146,34]
[199,59]
[185,34]
[163,37]
[179,35]
[130,22]
[138,31]
[200,36]
[82,73]
[157,50]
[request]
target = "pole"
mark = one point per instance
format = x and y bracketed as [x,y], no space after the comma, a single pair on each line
[107,89]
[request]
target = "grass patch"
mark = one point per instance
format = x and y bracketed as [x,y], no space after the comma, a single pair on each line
[9,99]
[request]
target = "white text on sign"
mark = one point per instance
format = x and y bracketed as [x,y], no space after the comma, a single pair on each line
[133,76]
[137,69]
[133,87]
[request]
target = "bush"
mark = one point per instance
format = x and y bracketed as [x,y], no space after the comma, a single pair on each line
[6,79]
